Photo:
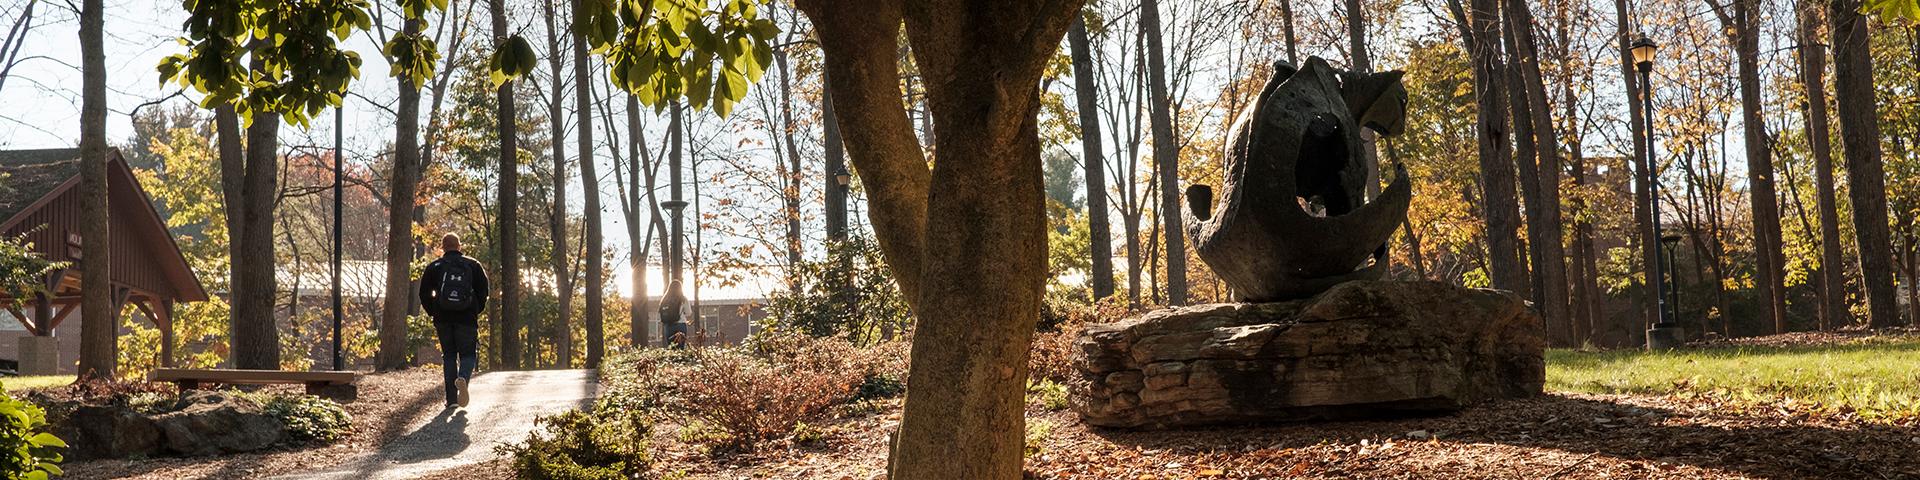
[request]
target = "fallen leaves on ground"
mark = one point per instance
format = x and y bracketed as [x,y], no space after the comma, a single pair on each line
[1551,436]
[387,404]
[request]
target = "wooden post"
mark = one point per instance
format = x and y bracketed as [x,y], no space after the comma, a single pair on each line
[165,319]
[161,318]
[42,315]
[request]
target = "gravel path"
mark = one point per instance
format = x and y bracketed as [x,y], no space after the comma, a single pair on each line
[502,410]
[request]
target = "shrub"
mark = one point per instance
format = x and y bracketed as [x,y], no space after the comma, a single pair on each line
[753,400]
[600,443]
[1049,394]
[877,386]
[26,451]
[850,293]
[1038,430]
[309,418]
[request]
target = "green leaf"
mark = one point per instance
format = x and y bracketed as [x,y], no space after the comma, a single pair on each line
[47,440]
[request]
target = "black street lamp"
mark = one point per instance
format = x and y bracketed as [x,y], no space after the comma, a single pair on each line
[1664,334]
[1671,242]
[339,116]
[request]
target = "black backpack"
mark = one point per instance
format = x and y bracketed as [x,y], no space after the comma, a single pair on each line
[456,287]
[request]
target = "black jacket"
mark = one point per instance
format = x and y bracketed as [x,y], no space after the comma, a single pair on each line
[430,286]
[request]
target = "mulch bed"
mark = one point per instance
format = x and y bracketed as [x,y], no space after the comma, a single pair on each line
[387,404]
[1552,436]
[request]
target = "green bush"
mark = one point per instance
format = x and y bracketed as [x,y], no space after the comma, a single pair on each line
[29,452]
[310,418]
[1049,394]
[599,444]
[852,293]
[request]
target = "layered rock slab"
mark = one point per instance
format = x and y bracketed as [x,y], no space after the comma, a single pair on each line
[1363,349]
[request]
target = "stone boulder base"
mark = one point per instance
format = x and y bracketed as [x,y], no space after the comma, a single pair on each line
[1363,349]
[209,423]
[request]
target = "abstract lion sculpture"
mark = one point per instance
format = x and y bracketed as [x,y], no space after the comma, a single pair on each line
[1292,219]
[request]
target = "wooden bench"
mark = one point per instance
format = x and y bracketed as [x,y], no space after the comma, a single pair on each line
[335,385]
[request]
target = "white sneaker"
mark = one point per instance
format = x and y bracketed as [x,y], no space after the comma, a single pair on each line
[461,385]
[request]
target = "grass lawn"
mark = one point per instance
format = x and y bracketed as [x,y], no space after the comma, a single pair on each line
[15,384]
[1877,378]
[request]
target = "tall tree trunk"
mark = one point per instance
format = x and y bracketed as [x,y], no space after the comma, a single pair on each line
[637,261]
[836,158]
[403,187]
[1813,71]
[97,313]
[1552,267]
[1496,156]
[790,170]
[1860,140]
[560,262]
[233,168]
[1742,22]
[256,344]
[1585,267]
[984,213]
[509,205]
[1525,153]
[590,181]
[1643,188]
[1286,29]
[1360,60]
[1166,154]
[1089,103]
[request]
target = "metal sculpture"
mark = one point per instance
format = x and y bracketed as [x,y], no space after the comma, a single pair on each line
[1292,219]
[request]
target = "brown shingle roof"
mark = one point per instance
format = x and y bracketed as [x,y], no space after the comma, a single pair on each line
[28,175]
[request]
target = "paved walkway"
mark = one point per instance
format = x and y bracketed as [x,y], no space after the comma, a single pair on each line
[502,410]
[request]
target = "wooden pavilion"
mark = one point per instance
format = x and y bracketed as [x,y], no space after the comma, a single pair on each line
[39,198]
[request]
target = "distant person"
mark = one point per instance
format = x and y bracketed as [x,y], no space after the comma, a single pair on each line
[453,291]
[673,317]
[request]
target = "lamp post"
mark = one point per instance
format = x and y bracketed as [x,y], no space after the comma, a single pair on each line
[1671,242]
[339,116]
[1664,334]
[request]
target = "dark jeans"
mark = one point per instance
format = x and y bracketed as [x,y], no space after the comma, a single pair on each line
[458,340]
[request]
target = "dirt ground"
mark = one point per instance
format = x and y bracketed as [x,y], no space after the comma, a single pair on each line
[1552,436]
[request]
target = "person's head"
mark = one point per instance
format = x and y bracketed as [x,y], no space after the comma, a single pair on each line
[450,243]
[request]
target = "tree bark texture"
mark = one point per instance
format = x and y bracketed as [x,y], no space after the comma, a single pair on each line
[984,209]
[1860,141]
[595,317]
[404,186]
[509,204]
[1089,102]
[1813,68]
[98,349]
[1166,154]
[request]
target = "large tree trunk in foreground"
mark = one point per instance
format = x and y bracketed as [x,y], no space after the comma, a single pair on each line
[404,185]
[1166,154]
[1089,103]
[590,182]
[97,346]
[256,341]
[509,205]
[984,210]
[1860,140]
[1813,67]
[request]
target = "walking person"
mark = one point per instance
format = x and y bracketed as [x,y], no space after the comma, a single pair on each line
[453,291]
